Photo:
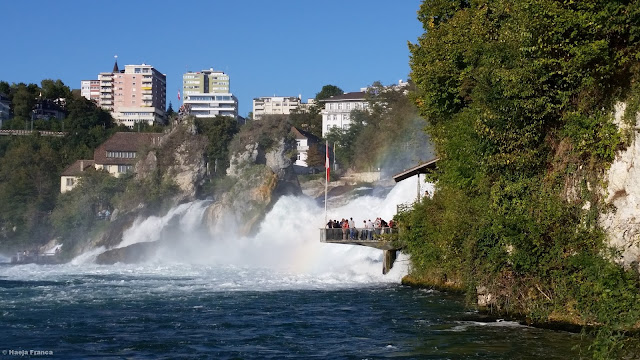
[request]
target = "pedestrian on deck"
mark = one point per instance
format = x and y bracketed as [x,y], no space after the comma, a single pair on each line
[364,233]
[345,229]
[352,229]
[370,227]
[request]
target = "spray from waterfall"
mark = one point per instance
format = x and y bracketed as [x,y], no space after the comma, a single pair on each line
[287,241]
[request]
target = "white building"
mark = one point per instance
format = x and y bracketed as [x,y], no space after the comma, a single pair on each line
[337,110]
[207,94]
[304,141]
[277,105]
[211,105]
[90,89]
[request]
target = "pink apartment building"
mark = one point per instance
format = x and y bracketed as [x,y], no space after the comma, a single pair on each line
[136,94]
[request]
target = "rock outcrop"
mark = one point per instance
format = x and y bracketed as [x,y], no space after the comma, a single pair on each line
[179,158]
[259,177]
[622,220]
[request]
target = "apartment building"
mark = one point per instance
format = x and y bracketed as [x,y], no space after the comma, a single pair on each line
[133,95]
[337,110]
[275,105]
[207,94]
[90,89]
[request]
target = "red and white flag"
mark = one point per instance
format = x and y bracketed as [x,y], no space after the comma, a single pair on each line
[326,163]
[178,94]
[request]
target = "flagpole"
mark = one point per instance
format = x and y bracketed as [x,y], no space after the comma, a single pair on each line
[326,182]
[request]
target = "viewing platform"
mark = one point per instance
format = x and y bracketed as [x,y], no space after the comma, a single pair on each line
[380,238]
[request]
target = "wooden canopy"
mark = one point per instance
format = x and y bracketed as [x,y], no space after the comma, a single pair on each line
[420,169]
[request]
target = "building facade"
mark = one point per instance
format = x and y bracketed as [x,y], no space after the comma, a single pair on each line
[207,94]
[277,105]
[133,95]
[304,142]
[337,110]
[117,155]
[90,89]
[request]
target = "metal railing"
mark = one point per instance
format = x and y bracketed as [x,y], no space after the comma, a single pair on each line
[356,234]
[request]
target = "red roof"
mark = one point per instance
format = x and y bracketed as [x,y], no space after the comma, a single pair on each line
[124,142]
[78,167]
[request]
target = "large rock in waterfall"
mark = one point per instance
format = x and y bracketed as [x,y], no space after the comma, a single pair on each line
[259,175]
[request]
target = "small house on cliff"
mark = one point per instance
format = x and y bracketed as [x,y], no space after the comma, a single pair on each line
[117,156]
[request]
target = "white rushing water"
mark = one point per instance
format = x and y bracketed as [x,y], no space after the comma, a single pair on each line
[286,252]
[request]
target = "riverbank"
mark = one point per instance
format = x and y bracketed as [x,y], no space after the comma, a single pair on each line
[556,321]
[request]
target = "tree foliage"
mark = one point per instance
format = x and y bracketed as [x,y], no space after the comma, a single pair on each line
[387,135]
[220,130]
[517,96]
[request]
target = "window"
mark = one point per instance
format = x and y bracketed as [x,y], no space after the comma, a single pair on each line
[339,106]
[137,70]
[70,181]
[298,143]
[298,156]
[124,168]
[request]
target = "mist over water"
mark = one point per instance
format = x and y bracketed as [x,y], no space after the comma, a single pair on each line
[287,241]
[276,295]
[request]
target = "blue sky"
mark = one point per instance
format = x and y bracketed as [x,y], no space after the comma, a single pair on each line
[267,47]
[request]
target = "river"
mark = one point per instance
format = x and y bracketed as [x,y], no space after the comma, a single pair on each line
[280,294]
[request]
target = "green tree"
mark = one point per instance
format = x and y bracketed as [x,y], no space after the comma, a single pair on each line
[315,157]
[518,97]
[328,91]
[219,130]
[53,90]
[24,99]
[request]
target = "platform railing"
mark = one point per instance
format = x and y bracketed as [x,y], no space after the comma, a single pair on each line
[358,234]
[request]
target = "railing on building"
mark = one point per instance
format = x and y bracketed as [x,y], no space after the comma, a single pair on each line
[30,132]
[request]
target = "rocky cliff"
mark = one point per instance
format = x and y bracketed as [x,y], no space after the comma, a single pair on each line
[260,172]
[622,193]
[259,176]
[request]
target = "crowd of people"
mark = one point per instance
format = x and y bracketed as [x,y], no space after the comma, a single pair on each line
[350,231]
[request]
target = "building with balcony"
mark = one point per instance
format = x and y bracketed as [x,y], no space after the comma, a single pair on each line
[304,142]
[117,155]
[90,89]
[133,95]
[337,110]
[277,105]
[207,94]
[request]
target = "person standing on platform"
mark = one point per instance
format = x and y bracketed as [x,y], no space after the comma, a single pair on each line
[352,229]
[370,227]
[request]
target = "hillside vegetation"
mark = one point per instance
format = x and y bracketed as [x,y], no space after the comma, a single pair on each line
[519,97]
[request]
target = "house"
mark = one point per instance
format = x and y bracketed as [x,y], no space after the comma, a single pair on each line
[304,142]
[120,152]
[46,109]
[71,175]
[117,156]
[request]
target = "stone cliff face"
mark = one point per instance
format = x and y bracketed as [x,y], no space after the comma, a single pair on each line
[260,176]
[622,221]
[180,158]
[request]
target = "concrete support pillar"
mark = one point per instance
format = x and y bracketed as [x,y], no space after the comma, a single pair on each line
[388,258]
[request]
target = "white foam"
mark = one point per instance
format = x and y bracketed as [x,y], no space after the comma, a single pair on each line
[286,252]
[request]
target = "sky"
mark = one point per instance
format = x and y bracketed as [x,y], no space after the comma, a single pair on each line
[274,47]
